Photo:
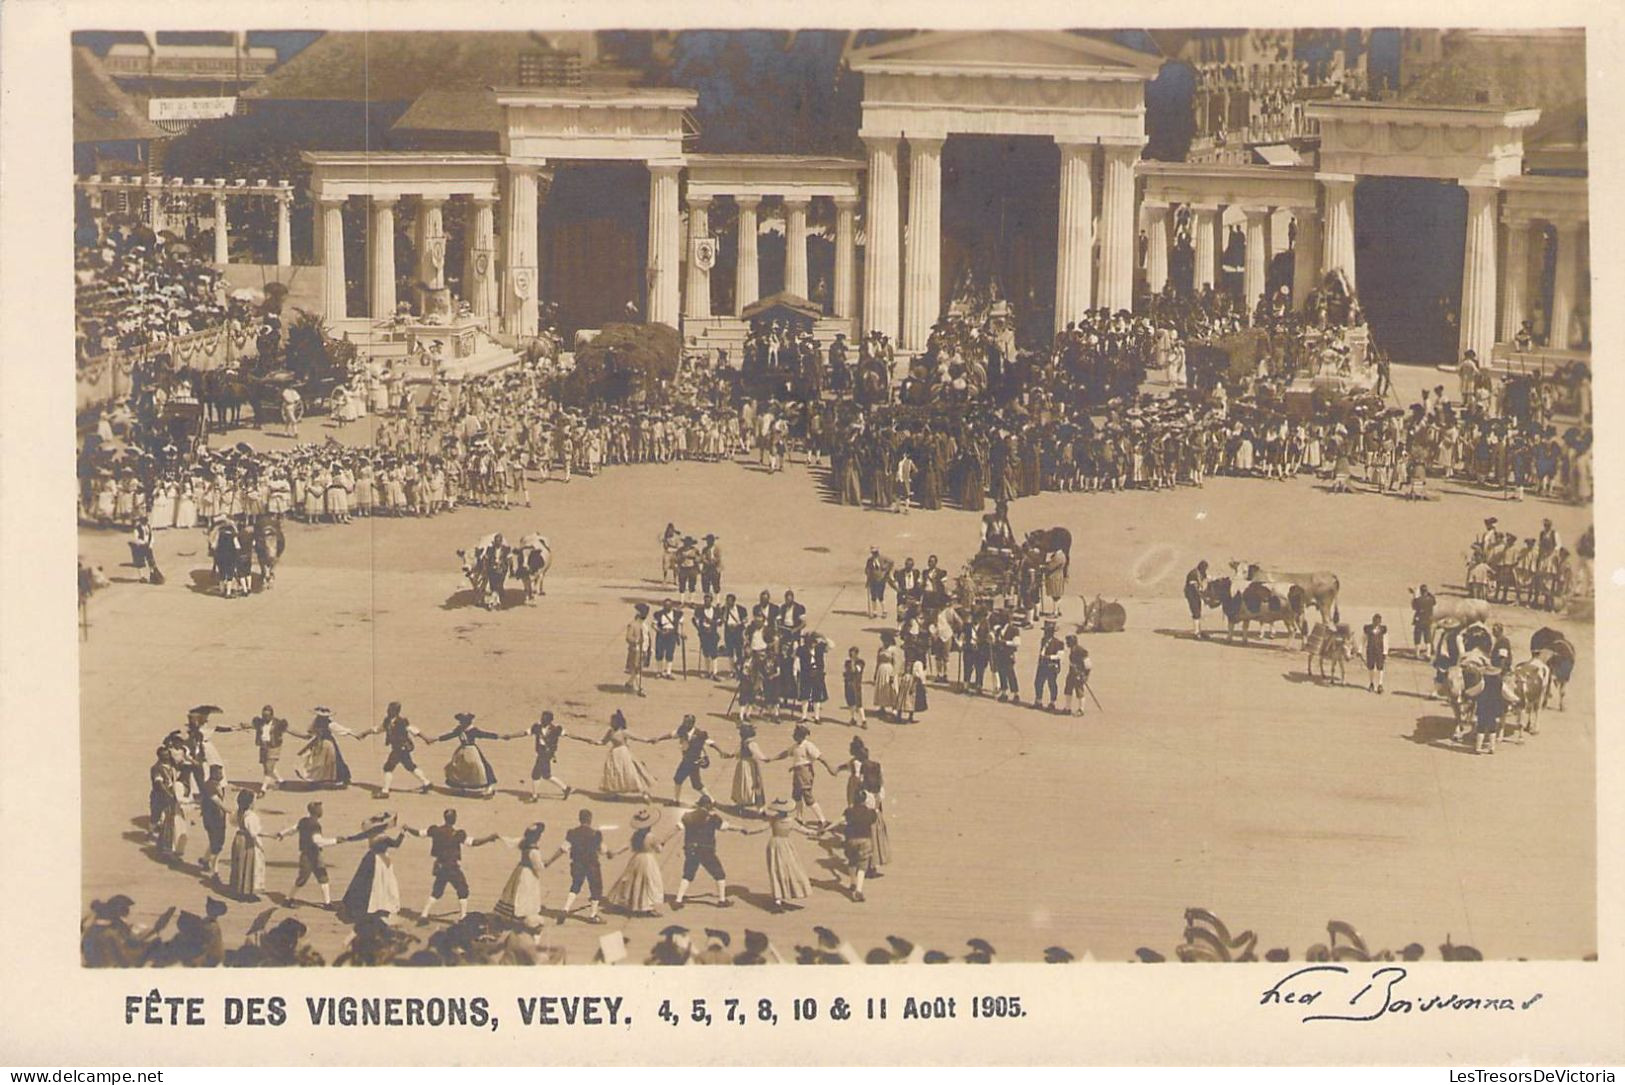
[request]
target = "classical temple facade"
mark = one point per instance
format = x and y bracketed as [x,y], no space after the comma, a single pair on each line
[880,215]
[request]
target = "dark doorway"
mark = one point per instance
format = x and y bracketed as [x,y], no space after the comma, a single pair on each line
[1000,214]
[1408,240]
[594,235]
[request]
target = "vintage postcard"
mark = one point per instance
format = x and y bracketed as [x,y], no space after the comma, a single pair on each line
[635,493]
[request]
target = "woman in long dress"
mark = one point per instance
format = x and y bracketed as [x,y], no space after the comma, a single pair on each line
[374,889]
[749,796]
[903,698]
[786,878]
[378,389]
[521,899]
[247,851]
[125,503]
[888,662]
[324,763]
[469,771]
[163,506]
[339,484]
[185,506]
[864,775]
[315,496]
[623,773]
[208,501]
[366,490]
[105,501]
[640,890]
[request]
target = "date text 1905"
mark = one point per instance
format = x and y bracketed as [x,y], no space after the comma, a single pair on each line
[762,1011]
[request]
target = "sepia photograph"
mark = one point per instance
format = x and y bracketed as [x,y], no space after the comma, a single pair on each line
[832,496]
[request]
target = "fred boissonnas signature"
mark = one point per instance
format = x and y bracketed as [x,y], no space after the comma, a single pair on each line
[1332,992]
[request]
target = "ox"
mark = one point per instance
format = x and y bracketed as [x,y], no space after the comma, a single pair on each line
[1526,689]
[532,558]
[487,569]
[1455,613]
[1557,652]
[1320,588]
[1260,603]
[232,559]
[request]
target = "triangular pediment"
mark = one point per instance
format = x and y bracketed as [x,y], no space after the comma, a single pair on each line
[1004,49]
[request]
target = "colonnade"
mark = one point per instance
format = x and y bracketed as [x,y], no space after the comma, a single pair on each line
[1570,236]
[903,259]
[747,262]
[479,288]
[153,196]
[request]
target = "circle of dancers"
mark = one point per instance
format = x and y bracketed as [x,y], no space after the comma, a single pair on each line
[189,791]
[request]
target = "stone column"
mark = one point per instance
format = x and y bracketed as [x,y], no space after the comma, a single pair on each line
[383,257]
[1156,259]
[1478,279]
[795,245]
[1075,240]
[697,292]
[1565,266]
[431,242]
[1255,275]
[845,256]
[520,311]
[1116,287]
[222,236]
[317,229]
[922,269]
[334,303]
[1515,280]
[479,257]
[1337,244]
[1305,256]
[665,245]
[747,283]
[880,256]
[284,232]
[1205,224]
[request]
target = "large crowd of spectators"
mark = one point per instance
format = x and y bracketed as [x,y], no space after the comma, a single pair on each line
[138,289]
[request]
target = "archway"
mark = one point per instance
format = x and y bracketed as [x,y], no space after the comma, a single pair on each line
[1408,259]
[1000,211]
[594,234]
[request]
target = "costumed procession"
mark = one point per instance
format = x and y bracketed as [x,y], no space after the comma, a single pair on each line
[625,512]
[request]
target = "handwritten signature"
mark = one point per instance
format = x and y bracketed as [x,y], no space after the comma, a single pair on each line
[1324,990]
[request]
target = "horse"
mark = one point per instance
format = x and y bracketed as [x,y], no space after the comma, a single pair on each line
[223,394]
[1557,652]
[530,561]
[1261,603]
[1320,588]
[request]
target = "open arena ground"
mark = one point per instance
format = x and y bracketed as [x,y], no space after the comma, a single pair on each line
[1217,775]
